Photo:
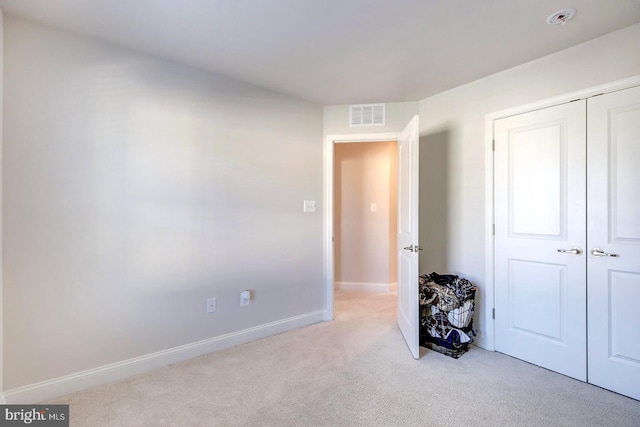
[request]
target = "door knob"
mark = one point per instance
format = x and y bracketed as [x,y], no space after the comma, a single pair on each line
[600,253]
[575,251]
[413,248]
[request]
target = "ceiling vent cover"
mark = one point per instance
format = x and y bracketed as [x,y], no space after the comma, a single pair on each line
[366,115]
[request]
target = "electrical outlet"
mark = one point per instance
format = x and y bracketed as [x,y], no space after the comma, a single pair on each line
[245,298]
[309,206]
[212,305]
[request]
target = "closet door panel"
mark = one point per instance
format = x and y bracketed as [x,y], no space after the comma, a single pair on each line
[540,160]
[613,237]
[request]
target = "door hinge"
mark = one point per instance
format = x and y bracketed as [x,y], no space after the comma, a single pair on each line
[493,313]
[493,145]
[494,229]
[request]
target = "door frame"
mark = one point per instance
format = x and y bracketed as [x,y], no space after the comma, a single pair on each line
[488,340]
[327,235]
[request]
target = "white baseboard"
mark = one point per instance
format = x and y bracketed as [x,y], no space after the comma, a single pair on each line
[482,342]
[366,286]
[50,389]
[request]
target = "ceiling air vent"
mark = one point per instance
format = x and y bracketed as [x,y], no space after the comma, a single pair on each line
[366,115]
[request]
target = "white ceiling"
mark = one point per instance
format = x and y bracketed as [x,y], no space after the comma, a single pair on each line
[339,51]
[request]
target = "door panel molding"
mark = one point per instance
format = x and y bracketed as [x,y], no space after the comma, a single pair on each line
[522,191]
[526,320]
[623,150]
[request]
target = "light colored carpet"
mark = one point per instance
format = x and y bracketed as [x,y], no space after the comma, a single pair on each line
[354,371]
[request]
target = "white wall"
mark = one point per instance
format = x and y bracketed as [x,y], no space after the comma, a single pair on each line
[364,257]
[135,188]
[453,138]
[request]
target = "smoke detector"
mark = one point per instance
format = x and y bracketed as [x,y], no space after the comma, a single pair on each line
[561,16]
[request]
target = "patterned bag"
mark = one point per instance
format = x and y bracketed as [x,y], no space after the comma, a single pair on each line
[446,313]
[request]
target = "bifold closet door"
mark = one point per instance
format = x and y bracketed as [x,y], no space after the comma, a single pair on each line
[613,200]
[540,267]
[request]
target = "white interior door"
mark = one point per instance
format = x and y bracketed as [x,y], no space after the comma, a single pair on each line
[408,321]
[614,227]
[540,267]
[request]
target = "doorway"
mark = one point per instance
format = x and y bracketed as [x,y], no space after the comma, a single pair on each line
[329,208]
[407,230]
[365,216]
[365,228]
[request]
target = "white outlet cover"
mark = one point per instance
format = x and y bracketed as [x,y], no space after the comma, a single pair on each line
[245,298]
[309,206]
[212,305]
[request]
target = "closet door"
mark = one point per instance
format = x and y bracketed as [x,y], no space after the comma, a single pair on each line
[614,241]
[540,267]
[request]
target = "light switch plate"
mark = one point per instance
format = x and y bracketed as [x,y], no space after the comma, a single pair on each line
[309,206]
[374,207]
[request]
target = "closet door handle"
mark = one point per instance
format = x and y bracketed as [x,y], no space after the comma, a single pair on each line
[600,253]
[574,251]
